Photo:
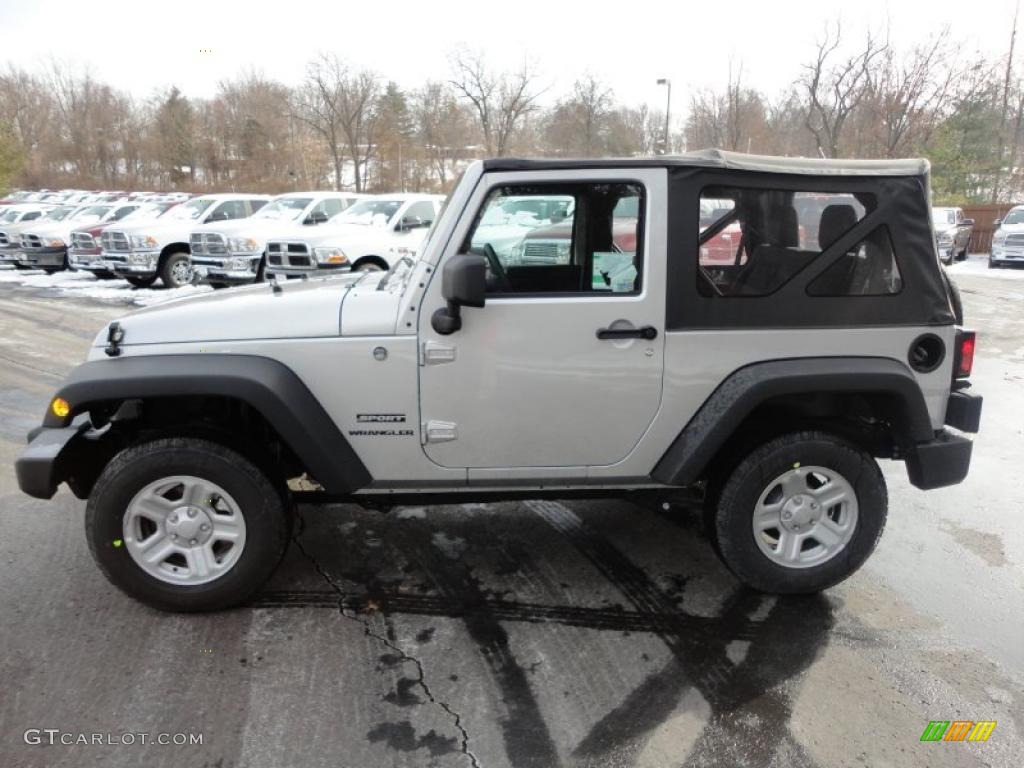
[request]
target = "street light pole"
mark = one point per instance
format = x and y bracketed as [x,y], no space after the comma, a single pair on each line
[668,110]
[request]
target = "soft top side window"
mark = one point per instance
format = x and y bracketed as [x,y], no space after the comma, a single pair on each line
[753,240]
[576,238]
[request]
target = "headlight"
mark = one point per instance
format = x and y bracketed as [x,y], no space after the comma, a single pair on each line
[144,241]
[945,238]
[243,245]
[53,242]
[999,237]
[142,259]
[330,256]
[238,265]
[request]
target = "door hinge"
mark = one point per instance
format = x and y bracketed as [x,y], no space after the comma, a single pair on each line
[435,353]
[440,431]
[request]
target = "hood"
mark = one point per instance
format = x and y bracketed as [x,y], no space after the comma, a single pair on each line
[260,228]
[299,309]
[158,228]
[1014,228]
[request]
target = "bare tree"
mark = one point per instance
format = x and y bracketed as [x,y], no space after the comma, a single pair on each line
[578,124]
[906,95]
[502,100]
[835,85]
[442,126]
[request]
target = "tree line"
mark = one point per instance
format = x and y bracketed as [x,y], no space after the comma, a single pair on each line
[344,126]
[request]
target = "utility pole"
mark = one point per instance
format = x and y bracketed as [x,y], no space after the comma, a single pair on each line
[668,110]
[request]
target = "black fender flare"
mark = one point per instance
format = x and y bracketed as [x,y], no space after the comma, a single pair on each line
[746,388]
[267,385]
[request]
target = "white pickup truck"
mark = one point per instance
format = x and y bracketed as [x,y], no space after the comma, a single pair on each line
[371,235]
[20,215]
[234,252]
[45,244]
[143,252]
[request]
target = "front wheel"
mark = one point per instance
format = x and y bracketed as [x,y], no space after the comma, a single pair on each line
[800,513]
[184,524]
[176,270]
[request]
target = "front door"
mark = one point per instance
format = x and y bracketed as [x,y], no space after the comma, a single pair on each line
[563,366]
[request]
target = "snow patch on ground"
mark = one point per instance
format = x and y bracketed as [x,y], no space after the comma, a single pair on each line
[85,285]
[977,265]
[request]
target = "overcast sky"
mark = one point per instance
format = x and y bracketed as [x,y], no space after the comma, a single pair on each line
[140,46]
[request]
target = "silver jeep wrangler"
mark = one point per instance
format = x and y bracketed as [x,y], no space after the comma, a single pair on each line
[751,331]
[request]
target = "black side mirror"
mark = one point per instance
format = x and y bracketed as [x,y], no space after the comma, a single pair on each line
[997,223]
[411,222]
[463,284]
[967,222]
[316,217]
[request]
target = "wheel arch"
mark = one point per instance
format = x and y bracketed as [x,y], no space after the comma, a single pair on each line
[371,258]
[267,386]
[815,389]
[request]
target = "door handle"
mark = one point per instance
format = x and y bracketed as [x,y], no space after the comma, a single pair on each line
[643,332]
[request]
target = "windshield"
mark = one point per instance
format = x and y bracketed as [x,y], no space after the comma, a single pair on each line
[283,209]
[150,211]
[1014,217]
[943,216]
[92,210]
[59,214]
[367,211]
[189,211]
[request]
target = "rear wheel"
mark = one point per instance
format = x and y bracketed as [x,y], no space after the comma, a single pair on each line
[176,270]
[800,513]
[186,525]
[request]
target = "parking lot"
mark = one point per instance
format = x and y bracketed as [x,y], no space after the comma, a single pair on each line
[519,634]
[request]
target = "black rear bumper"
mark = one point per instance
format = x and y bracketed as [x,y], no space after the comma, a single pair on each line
[946,459]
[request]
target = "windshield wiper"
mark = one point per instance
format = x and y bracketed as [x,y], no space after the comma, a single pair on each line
[387,275]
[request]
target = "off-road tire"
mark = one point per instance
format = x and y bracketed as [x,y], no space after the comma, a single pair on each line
[733,533]
[171,271]
[262,504]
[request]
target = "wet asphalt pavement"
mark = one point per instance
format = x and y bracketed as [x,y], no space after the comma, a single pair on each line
[522,634]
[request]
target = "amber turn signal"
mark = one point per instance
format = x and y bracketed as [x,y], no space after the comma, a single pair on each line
[60,407]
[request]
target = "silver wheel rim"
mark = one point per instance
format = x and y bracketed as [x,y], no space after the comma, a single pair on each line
[369,267]
[181,272]
[184,530]
[805,517]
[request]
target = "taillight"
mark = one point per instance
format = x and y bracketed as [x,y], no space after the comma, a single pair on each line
[964,354]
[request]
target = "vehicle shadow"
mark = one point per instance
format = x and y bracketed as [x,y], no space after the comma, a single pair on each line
[547,563]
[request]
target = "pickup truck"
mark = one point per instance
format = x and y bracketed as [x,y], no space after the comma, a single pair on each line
[767,391]
[19,216]
[46,245]
[952,233]
[85,253]
[143,252]
[368,237]
[234,252]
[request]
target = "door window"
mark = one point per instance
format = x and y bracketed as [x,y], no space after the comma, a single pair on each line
[231,209]
[570,239]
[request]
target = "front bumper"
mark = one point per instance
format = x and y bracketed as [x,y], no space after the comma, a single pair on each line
[228,269]
[43,257]
[43,464]
[132,263]
[9,255]
[90,261]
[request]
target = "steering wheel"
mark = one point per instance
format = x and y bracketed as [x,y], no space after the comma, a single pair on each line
[500,275]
